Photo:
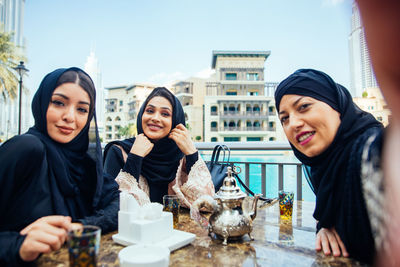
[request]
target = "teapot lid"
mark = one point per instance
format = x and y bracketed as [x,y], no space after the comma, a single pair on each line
[229,188]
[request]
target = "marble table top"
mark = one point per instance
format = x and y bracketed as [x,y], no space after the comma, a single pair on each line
[277,242]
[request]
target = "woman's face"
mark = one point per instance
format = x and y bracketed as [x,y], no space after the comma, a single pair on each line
[67,113]
[309,124]
[157,118]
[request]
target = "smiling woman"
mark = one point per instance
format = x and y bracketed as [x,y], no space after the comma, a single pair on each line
[161,159]
[48,182]
[330,134]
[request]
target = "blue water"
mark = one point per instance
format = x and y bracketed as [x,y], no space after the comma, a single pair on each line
[289,174]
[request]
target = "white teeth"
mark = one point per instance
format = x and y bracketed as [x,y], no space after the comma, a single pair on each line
[305,136]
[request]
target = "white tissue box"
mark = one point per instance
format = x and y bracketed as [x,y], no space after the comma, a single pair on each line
[144,231]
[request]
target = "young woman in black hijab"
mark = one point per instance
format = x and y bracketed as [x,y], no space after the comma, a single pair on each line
[335,138]
[162,158]
[47,179]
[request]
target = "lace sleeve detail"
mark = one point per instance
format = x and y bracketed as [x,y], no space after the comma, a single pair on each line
[190,187]
[129,184]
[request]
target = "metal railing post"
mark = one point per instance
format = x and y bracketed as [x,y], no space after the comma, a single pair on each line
[280,176]
[299,183]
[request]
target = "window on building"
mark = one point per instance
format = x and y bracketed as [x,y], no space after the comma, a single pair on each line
[256,108]
[379,118]
[248,124]
[213,124]
[272,139]
[231,139]
[252,93]
[213,110]
[231,92]
[108,136]
[256,124]
[252,76]
[121,102]
[271,109]
[214,139]
[231,76]
[109,119]
[109,128]
[254,139]
[117,119]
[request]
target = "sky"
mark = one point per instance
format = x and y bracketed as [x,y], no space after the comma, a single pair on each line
[159,41]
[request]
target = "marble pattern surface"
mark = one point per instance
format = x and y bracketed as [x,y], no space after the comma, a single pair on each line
[277,242]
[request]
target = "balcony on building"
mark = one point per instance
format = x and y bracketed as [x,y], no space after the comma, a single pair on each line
[111,105]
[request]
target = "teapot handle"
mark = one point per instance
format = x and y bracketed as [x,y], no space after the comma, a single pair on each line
[207,203]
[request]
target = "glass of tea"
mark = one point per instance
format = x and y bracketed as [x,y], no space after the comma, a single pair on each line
[172,204]
[83,246]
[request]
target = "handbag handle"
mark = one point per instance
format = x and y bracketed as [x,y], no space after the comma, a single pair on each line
[268,200]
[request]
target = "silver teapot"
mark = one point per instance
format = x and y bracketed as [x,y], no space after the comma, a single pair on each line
[229,218]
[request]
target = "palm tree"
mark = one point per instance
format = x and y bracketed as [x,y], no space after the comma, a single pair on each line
[8,57]
[127,131]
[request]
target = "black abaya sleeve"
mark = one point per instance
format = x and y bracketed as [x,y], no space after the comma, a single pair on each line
[106,215]
[114,162]
[20,171]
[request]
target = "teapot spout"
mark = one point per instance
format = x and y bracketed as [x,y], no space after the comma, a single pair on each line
[253,214]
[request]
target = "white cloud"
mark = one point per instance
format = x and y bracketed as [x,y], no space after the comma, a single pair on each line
[332,2]
[205,73]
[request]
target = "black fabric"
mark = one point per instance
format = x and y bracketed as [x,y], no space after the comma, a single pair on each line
[39,177]
[335,173]
[160,165]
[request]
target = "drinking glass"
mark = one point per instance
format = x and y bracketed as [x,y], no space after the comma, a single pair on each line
[172,204]
[83,246]
[286,204]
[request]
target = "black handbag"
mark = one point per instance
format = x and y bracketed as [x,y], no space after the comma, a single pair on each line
[217,168]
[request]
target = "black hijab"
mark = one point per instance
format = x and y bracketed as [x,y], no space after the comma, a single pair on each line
[74,175]
[329,170]
[160,165]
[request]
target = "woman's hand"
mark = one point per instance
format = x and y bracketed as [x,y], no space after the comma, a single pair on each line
[181,136]
[142,146]
[327,240]
[44,235]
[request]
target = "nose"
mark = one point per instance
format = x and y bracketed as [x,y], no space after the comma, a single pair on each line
[156,116]
[296,122]
[69,114]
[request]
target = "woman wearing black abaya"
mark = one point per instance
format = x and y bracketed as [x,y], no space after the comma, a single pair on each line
[162,158]
[47,179]
[330,134]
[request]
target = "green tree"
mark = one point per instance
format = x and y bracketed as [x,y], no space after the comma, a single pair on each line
[127,131]
[8,59]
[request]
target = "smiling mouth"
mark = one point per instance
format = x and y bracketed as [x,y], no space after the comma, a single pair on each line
[154,127]
[305,136]
[65,130]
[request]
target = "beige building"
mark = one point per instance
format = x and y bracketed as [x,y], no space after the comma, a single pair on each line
[191,94]
[122,105]
[235,105]
[374,103]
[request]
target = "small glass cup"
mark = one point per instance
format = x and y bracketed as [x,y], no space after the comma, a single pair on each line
[286,204]
[172,204]
[83,246]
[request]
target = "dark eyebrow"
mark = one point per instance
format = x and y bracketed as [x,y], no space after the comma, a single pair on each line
[67,98]
[150,105]
[294,104]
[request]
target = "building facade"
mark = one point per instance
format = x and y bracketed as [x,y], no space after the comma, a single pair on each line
[235,105]
[12,21]
[121,107]
[361,72]
[374,103]
[190,93]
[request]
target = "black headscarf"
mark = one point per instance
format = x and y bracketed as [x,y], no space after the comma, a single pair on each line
[160,165]
[69,164]
[329,170]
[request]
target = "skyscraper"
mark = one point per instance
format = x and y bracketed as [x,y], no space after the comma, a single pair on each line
[93,69]
[362,75]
